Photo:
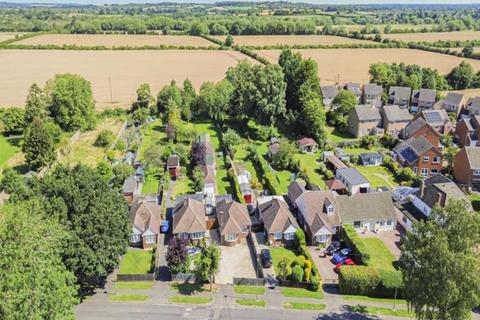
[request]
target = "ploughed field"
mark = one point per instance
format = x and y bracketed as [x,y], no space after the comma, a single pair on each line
[435,36]
[344,65]
[119,71]
[9,35]
[117,40]
[271,40]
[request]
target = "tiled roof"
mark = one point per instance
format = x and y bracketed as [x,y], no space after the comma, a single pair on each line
[329,92]
[276,216]
[232,216]
[367,113]
[189,216]
[352,175]
[394,113]
[366,206]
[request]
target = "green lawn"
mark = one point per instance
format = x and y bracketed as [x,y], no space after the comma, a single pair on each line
[302,293]
[134,285]
[380,255]
[136,262]
[475,199]
[279,253]
[152,133]
[127,297]
[151,184]
[378,176]
[190,300]
[249,289]
[308,162]
[381,311]
[336,136]
[370,299]
[304,306]
[250,302]
[8,148]
[182,186]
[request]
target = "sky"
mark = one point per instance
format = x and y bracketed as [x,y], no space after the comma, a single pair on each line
[211,1]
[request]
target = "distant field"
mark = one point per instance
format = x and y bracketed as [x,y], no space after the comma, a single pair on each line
[9,35]
[292,40]
[123,70]
[466,92]
[116,40]
[353,64]
[435,36]
[381,27]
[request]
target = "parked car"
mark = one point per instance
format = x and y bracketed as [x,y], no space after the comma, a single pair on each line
[333,247]
[341,255]
[346,262]
[266,258]
[164,226]
[193,251]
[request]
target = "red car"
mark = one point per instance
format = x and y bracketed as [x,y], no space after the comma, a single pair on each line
[346,262]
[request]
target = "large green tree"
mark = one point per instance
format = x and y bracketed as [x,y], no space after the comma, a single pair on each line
[36,104]
[208,264]
[189,97]
[38,145]
[169,92]
[35,283]
[214,100]
[461,77]
[71,102]
[440,263]
[344,102]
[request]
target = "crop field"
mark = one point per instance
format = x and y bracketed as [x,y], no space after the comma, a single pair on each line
[292,40]
[435,36]
[116,40]
[345,65]
[9,35]
[381,27]
[115,75]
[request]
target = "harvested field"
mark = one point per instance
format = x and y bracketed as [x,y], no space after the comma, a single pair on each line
[344,65]
[116,40]
[466,92]
[292,40]
[435,36]
[123,70]
[9,35]
[381,27]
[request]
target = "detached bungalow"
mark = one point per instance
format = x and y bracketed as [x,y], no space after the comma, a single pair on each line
[372,211]
[189,220]
[280,225]
[353,180]
[233,221]
[145,219]
[307,145]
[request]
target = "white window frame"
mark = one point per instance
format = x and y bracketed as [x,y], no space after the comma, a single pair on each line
[135,238]
[433,172]
[231,237]
[476,172]
[426,158]
[277,236]
[322,238]
[330,209]
[196,235]
[389,222]
[424,172]
[436,160]
[150,239]
[289,236]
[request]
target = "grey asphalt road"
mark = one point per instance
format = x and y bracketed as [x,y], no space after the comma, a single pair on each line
[138,311]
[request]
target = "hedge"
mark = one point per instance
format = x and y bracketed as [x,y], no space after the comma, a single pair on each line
[358,280]
[390,281]
[353,241]
[315,278]
[271,181]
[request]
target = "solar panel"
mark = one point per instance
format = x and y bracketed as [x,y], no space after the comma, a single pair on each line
[433,116]
[408,154]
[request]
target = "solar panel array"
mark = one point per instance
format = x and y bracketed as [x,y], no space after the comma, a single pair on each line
[433,116]
[408,154]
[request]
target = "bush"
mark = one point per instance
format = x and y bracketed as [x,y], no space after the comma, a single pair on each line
[308,270]
[315,283]
[104,138]
[300,261]
[120,145]
[297,273]
[389,282]
[358,280]
[300,238]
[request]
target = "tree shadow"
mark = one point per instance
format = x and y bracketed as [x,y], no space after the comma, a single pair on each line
[345,315]
[188,289]
[14,140]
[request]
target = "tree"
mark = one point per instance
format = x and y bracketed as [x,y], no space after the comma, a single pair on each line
[284,269]
[468,50]
[72,106]
[231,139]
[35,282]
[12,182]
[36,105]
[170,92]
[121,172]
[198,28]
[214,100]
[283,159]
[105,170]
[344,102]
[38,145]
[104,138]
[153,157]
[461,77]
[198,179]
[145,98]
[441,255]
[176,256]
[229,41]
[189,98]
[140,116]
[206,267]
[297,273]
[12,120]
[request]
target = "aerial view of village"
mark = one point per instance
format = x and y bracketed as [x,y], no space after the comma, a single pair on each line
[240,160]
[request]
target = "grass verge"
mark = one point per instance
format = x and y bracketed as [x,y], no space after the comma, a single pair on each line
[302,293]
[304,306]
[380,311]
[128,297]
[370,299]
[249,289]
[190,300]
[251,302]
[189,288]
[133,285]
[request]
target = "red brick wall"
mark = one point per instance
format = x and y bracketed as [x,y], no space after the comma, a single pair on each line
[428,164]
[429,133]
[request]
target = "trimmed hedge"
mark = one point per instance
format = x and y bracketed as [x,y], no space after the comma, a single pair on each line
[358,280]
[271,181]
[352,240]
[390,281]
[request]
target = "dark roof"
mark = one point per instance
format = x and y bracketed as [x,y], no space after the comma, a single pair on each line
[428,95]
[354,88]
[454,98]
[436,117]
[373,89]
[329,92]
[408,209]
[394,113]
[130,184]
[353,176]
[370,155]
[400,92]
[366,206]
[410,150]
[295,189]
[415,125]
[473,103]
[337,163]
[173,161]
[367,113]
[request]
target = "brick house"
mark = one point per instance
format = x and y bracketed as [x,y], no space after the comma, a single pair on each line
[279,223]
[472,106]
[233,221]
[454,102]
[420,128]
[437,118]
[394,119]
[399,96]
[190,220]
[145,219]
[363,120]
[466,167]
[424,98]
[372,94]
[419,154]
[467,131]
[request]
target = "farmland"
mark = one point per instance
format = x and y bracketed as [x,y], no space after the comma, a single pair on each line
[345,65]
[435,36]
[292,40]
[109,41]
[9,35]
[381,27]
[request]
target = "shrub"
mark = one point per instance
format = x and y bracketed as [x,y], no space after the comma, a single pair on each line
[308,270]
[300,238]
[299,261]
[358,280]
[315,283]
[104,138]
[283,268]
[297,273]
[353,241]
[389,282]
[120,145]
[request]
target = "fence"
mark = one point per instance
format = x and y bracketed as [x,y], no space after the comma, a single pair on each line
[294,284]
[136,277]
[249,281]
[254,255]
[184,277]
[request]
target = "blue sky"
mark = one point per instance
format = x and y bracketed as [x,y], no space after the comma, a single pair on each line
[211,1]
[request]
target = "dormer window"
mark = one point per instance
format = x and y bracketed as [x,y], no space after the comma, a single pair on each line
[329,208]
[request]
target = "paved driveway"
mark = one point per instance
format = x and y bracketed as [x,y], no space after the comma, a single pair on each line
[325,266]
[236,261]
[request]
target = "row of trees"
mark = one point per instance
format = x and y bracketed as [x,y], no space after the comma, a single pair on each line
[59,239]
